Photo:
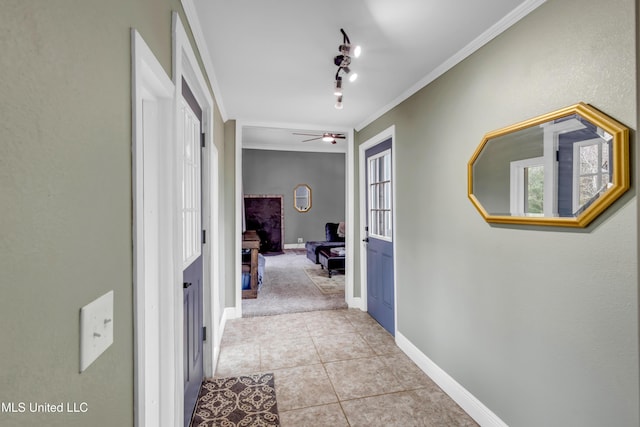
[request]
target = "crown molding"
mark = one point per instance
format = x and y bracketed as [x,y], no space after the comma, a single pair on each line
[495,30]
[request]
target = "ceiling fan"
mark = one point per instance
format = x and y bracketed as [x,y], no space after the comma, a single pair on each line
[326,136]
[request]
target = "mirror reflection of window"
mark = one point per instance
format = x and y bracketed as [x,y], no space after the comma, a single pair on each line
[591,171]
[527,187]
[534,188]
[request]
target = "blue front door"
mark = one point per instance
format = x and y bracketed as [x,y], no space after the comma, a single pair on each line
[380,277]
[192,274]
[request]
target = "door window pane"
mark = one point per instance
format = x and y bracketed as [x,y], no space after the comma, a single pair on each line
[191,217]
[380,197]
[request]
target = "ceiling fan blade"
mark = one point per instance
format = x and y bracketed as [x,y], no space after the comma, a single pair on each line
[307,134]
[324,135]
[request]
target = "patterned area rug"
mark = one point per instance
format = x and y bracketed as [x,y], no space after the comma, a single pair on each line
[327,285]
[238,401]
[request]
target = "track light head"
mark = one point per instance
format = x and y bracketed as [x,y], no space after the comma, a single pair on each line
[337,91]
[342,60]
[339,103]
[349,50]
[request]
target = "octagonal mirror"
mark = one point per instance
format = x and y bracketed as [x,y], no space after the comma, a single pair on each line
[302,198]
[563,168]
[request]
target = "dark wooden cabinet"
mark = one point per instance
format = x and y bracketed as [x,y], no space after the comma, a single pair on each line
[251,241]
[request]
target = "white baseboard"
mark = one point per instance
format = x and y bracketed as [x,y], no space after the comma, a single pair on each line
[294,246]
[356,302]
[227,313]
[476,409]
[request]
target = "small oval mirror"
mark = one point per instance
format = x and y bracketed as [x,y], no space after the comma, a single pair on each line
[563,169]
[302,198]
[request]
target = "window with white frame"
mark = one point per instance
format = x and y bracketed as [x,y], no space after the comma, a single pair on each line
[380,200]
[527,187]
[591,173]
[191,199]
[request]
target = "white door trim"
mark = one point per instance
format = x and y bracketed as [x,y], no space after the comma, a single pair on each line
[185,65]
[350,247]
[152,250]
[237,265]
[390,132]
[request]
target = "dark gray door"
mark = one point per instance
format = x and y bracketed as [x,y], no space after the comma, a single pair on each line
[380,277]
[192,250]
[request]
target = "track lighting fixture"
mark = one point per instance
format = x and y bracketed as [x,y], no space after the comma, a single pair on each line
[343,61]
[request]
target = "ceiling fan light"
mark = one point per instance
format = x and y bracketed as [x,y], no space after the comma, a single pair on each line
[327,137]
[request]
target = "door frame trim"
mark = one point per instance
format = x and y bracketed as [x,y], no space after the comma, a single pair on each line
[152,252]
[350,299]
[389,132]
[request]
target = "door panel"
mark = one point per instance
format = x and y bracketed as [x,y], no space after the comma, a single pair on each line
[192,251]
[379,226]
[193,367]
[386,263]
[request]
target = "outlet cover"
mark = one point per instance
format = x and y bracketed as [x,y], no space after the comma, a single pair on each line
[96,329]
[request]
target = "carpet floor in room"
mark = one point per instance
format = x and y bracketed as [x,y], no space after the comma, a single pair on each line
[287,288]
[335,368]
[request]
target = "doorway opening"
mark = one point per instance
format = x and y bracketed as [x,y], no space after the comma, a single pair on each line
[269,166]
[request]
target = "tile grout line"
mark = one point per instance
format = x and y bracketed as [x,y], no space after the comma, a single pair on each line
[324,367]
[358,329]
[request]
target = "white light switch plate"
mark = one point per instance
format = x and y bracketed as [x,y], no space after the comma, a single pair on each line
[96,329]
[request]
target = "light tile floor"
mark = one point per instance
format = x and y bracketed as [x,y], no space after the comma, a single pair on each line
[336,368]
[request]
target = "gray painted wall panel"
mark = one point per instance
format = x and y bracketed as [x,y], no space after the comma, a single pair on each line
[66,199]
[278,172]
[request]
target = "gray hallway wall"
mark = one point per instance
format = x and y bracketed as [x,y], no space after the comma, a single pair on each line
[66,232]
[278,172]
[540,324]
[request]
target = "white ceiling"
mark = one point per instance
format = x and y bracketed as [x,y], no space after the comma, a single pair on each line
[271,62]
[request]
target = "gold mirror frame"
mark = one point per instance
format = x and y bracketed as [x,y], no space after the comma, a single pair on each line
[619,163]
[302,203]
